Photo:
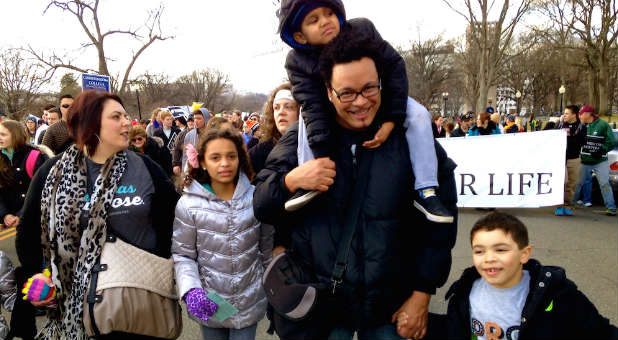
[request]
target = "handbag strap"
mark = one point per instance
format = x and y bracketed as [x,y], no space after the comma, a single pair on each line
[358,194]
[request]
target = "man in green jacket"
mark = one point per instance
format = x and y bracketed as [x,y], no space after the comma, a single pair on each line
[599,140]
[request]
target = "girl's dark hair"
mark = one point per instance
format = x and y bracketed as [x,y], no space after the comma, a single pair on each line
[216,122]
[18,135]
[244,164]
[84,118]
[268,126]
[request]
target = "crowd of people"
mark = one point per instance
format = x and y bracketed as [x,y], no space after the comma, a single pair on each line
[589,139]
[302,216]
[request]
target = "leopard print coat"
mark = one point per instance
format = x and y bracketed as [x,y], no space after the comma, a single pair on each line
[69,251]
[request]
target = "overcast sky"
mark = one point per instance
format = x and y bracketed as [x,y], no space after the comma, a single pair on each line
[237,36]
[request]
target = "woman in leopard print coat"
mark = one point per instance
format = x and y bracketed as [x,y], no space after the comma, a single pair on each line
[95,187]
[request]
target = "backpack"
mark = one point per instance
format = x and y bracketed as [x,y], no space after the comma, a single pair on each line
[31,161]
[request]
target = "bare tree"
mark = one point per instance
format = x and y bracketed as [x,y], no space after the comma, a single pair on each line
[594,23]
[87,14]
[428,65]
[490,38]
[207,86]
[20,82]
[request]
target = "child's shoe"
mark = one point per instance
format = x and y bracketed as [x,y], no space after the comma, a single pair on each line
[568,212]
[300,199]
[430,205]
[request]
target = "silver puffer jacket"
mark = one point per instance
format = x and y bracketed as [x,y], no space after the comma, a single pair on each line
[8,291]
[220,246]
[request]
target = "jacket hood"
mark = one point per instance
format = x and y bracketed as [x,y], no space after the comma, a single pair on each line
[290,8]
[242,187]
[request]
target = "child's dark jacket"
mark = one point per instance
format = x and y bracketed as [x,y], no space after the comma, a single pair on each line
[554,308]
[309,89]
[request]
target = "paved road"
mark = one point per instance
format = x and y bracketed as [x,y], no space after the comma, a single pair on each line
[586,245]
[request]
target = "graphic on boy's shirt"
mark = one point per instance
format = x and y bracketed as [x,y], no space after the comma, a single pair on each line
[117,202]
[492,331]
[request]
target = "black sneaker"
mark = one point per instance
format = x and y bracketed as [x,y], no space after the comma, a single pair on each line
[300,199]
[433,209]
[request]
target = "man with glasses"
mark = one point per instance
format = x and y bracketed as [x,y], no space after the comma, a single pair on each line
[396,257]
[57,135]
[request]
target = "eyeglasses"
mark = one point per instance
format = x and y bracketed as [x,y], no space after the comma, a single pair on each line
[138,139]
[65,106]
[350,96]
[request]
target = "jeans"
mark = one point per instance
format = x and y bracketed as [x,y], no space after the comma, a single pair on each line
[385,332]
[601,171]
[247,333]
[421,145]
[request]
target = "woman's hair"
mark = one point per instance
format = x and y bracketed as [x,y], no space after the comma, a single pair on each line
[484,116]
[18,134]
[19,138]
[84,118]
[449,126]
[268,126]
[137,130]
[201,175]
[155,113]
[165,114]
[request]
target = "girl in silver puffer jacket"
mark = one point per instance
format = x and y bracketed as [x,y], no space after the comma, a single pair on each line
[218,245]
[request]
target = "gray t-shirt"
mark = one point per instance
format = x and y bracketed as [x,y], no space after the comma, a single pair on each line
[496,311]
[129,216]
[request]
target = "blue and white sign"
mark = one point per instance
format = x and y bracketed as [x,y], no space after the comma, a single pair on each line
[95,82]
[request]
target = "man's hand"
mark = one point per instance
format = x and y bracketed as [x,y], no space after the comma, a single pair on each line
[412,316]
[381,136]
[176,170]
[316,174]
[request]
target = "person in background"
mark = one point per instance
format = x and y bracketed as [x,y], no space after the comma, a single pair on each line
[436,125]
[19,162]
[144,123]
[30,129]
[168,132]
[152,147]
[599,141]
[496,118]
[249,128]
[190,123]
[576,137]
[155,122]
[236,119]
[38,138]
[179,156]
[484,126]
[57,136]
[181,123]
[511,127]
[464,125]
[449,127]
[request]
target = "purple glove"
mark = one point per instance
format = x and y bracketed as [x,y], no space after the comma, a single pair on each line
[199,304]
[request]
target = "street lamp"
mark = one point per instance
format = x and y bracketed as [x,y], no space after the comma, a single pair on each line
[136,87]
[445,98]
[561,90]
[517,95]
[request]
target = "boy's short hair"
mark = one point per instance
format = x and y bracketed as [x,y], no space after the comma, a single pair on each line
[508,223]
[350,45]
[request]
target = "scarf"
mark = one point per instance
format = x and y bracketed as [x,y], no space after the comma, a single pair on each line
[72,252]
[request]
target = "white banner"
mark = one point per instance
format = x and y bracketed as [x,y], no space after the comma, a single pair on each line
[519,170]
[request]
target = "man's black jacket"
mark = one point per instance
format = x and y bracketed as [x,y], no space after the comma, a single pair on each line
[395,249]
[554,309]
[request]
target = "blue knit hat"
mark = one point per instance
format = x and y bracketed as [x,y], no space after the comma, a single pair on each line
[295,21]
